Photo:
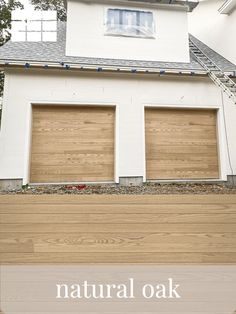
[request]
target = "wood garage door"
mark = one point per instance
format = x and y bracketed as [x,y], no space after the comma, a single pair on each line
[181,144]
[72,144]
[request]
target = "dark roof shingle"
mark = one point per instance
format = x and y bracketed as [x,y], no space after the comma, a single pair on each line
[54,52]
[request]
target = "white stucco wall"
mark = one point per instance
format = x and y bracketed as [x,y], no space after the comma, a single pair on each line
[86,35]
[130,93]
[215,29]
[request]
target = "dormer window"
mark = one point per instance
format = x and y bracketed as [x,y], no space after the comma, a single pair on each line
[132,23]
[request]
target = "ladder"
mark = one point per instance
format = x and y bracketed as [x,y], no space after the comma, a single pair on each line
[214,72]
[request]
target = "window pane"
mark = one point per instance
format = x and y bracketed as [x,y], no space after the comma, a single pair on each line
[34,36]
[130,22]
[146,23]
[129,18]
[113,20]
[49,26]
[18,31]
[49,36]
[34,25]
[18,26]
[18,36]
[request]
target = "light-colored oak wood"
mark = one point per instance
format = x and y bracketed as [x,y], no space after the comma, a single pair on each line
[121,228]
[105,199]
[117,208]
[119,218]
[181,144]
[119,258]
[134,229]
[117,242]
[72,144]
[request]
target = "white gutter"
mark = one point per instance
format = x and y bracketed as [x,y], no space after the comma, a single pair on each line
[98,68]
[227,7]
[102,68]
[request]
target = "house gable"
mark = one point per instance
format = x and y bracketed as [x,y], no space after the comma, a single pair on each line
[87,32]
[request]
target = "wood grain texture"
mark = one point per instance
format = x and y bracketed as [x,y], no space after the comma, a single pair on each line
[181,144]
[105,229]
[119,218]
[72,144]
[220,199]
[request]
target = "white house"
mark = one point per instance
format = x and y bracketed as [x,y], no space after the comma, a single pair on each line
[218,26]
[118,98]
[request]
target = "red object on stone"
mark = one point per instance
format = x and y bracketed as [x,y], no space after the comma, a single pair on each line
[76,187]
[81,187]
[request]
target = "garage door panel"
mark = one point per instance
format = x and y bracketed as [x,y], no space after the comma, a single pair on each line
[184,142]
[183,149]
[63,125]
[172,116]
[182,160]
[181,144]
[182,166]
[59,133]
[193,175]
[178,173]
[66,160]
[45,176]
[67,148]
[72,144]
[89,131]
[207,137]
[176,152]
[178,126]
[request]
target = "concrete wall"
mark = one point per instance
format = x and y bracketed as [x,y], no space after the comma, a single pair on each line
[215,29]
[130,93]
[86,34]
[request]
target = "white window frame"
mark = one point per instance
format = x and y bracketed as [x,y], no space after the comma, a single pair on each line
[127,34]
[34,34]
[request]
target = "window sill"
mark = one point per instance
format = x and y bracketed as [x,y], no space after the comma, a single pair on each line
[130,36]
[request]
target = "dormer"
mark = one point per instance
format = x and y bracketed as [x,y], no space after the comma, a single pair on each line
[136,30]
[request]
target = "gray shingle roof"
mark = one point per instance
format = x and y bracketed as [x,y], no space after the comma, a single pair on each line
[222,63]
[54,52]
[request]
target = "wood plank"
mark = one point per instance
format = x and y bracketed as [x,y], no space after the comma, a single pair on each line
[119,218]
[181,144]
[162,229]
[121,228]
[72,144]
[16,246]
[116,208]
[118,258]
[118,242]
[118,199]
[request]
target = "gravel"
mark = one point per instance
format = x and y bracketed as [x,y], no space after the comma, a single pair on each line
[148,188]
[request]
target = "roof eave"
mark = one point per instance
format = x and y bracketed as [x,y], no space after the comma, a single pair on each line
[98,68]
[188,5]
